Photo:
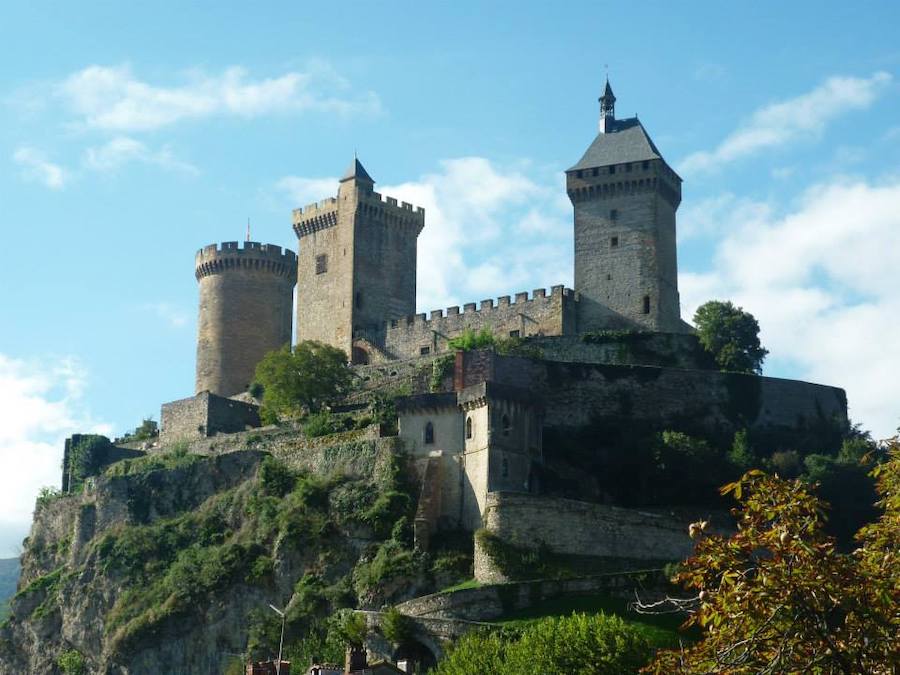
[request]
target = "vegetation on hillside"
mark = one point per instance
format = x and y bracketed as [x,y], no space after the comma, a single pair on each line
[731,335]
[778,596]
[300,380]
[580,644]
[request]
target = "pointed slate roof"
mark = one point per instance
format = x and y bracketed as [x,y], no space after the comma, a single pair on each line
[626,141]
[357,171]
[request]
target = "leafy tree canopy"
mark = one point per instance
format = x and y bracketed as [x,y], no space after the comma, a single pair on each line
[778,597]
[581,644]
[300,380]
[731,335]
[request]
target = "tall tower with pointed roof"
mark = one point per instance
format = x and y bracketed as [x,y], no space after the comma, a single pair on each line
[356,265]
[625,197]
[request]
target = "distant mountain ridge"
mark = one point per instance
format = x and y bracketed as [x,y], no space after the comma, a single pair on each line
[9,577]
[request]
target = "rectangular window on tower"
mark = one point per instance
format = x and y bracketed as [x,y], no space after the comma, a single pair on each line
[614,214]
[321,264]
[646,304]
[613,242]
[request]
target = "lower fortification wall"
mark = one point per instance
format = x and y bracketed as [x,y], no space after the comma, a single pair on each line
[205,415]
[584,529]
[703,402]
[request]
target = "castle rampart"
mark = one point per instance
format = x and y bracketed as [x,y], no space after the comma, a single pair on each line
[542,313]
[246,295]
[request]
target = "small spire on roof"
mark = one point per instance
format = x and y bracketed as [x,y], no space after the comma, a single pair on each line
[356,171]
[607,108]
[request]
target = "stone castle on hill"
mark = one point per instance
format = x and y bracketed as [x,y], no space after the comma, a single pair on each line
[614,351]
[356,270]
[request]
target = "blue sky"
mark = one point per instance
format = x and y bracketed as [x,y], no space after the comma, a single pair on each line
[131,137]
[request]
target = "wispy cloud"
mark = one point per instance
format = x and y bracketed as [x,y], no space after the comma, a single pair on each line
[804,116]
[173,315]
[305,191]
[113,98]
[122,150]
[815,276]
[36,167]
[41,402]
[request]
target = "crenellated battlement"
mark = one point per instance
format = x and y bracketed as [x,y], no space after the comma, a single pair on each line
[540,312]
[217,258]
[375,206]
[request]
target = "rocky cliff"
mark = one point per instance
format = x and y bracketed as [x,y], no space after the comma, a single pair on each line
[166,564]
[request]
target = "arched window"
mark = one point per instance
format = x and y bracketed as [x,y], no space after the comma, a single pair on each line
[506,425]
[468,427]
[429,433]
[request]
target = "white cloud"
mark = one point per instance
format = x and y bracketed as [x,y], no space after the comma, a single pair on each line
[36,167]
[490,230]
[804,116]
[171,314]
[40,405]
[820,279]
[306,191]
[114,99]
[122,150]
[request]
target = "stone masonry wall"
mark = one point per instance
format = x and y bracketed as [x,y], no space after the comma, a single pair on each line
[625,243]
[585,529]
[205,415]
[246,297]
[542,314]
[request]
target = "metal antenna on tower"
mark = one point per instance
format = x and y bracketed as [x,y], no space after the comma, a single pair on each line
[248,228]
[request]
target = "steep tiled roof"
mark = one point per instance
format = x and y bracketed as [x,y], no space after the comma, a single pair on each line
[358,171]
[627,141]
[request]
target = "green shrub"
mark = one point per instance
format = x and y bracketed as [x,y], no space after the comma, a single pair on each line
[470,340]
[322,424]
[275,478]
[72,663]
[388,508]
[397,628]
[46,496]
[580,644]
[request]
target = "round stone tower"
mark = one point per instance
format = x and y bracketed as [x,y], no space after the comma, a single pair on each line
[246,298]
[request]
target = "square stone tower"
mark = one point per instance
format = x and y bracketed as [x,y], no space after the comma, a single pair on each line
[356,265]
[625,197]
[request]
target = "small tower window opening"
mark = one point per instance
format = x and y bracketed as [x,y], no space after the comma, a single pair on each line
[321,264]
[613,242]
[504,468]
[612,169]
[614,214]
[595,171]
[468,427]
[505,425]
[646,304]
[628,168]
[513,333]
[358,300]
[424,350]
[645,165]
[429,434]
[579,173]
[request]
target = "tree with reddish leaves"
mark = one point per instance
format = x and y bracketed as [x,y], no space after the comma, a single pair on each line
[778,597]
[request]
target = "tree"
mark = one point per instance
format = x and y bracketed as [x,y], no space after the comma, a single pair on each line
[731,335]
[300,380]
[778,597]
[580,644]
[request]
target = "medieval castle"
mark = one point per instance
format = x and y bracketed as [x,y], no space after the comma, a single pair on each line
[614,349]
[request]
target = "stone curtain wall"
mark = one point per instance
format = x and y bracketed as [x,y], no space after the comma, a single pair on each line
[205,415]
[672,350]
[577,395]
[542,314]
[578,528]
[489,602]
